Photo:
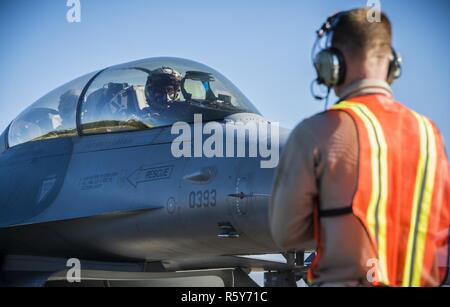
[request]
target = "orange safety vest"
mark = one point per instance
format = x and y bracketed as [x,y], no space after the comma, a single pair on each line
[403,191]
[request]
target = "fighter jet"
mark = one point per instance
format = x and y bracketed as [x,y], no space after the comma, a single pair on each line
[88,173]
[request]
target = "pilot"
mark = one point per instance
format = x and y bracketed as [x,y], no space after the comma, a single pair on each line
[67,109]
[163,86]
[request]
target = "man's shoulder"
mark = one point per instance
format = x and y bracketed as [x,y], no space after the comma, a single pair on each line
[322,124]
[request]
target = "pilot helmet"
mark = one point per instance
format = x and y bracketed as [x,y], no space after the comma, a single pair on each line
[163,85]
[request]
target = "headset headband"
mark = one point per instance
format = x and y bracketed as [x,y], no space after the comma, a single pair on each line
[330,24]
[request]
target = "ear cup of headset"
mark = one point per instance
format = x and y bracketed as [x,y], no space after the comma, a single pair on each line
[395,67]
[330,67]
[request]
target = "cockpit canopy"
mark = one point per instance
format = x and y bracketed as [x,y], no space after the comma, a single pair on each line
[140,95]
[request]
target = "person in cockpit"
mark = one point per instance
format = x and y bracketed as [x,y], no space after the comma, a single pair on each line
[163,86]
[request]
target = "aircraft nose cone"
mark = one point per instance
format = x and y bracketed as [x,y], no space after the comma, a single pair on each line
[283,136]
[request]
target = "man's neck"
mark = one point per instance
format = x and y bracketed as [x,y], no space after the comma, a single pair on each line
[365,87]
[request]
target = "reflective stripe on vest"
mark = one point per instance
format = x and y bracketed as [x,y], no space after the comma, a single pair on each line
[376,213]
[403,216]
[423,194]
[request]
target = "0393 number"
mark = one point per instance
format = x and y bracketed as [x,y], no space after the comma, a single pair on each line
[202,199]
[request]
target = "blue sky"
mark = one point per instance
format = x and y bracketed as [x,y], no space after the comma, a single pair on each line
[262,46]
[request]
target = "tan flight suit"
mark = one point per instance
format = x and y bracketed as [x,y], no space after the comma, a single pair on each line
[319,165]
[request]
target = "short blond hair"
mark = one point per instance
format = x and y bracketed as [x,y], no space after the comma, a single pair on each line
[356,35]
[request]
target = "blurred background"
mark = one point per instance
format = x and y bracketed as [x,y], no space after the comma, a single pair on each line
[262,46]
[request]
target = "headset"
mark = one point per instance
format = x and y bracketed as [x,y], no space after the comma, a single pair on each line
[329,62]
